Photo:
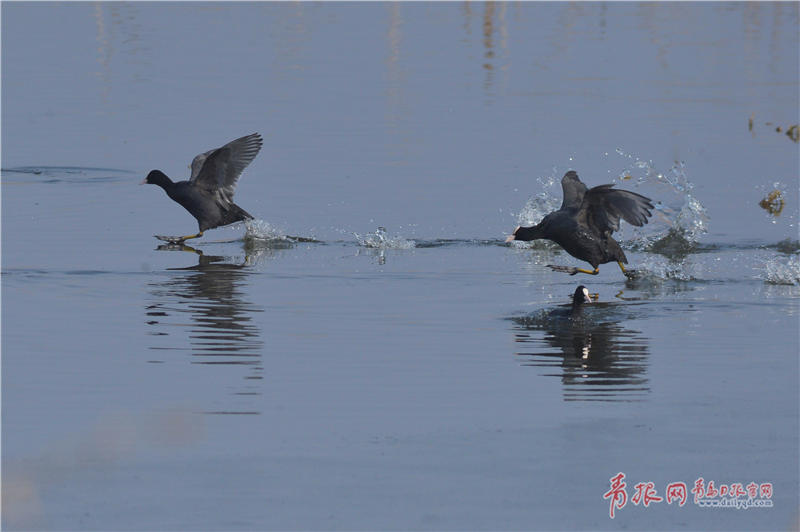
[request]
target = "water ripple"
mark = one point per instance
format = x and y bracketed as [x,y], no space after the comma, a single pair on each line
[595,359]
[63,174]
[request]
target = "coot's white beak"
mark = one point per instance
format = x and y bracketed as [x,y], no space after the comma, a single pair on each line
[144,181]
[512,236]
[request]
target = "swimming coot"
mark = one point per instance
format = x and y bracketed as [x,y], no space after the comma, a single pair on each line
[585,221]
[208,194]
[580,297]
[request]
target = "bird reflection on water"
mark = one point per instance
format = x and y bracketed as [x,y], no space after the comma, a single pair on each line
[596,358]
[222,331]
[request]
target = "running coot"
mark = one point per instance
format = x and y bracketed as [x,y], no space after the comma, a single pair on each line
[208,194]
[584,223]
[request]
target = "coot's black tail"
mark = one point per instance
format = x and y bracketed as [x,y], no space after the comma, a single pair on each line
[235,214]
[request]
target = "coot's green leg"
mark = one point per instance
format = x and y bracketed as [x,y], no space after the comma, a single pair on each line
[187,237]
[630,274]
[571,270]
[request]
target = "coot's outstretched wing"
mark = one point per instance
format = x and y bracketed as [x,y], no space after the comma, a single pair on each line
[603,206]
[218,170]
[573,190]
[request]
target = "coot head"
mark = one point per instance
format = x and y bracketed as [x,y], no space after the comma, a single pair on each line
[156,177]
[581,296]
[528,233]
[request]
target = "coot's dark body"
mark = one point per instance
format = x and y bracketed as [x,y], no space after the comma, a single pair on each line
[563,228]
[587,218]
[201,203]
[208,194]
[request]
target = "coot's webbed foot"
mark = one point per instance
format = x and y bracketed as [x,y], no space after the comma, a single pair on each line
[178,239]
[630,274]
[572,270]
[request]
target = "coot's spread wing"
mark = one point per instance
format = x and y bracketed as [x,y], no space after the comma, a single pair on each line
[573,190]
[197,163]
[603,206]
[218,170]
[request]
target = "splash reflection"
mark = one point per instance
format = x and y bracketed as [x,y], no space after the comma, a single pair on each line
[221,330]
[596,361]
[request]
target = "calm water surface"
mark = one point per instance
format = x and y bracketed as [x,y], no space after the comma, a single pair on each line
[410,378]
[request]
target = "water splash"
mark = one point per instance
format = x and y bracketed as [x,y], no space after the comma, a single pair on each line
[263,232]
[679,219]
[380,239]
[657,269]
[538,206]
[779,270]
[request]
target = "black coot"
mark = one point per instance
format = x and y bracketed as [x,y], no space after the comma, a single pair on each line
[208,194]
[584,223]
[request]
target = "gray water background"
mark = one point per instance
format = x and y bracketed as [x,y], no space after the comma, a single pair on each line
[408,380]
